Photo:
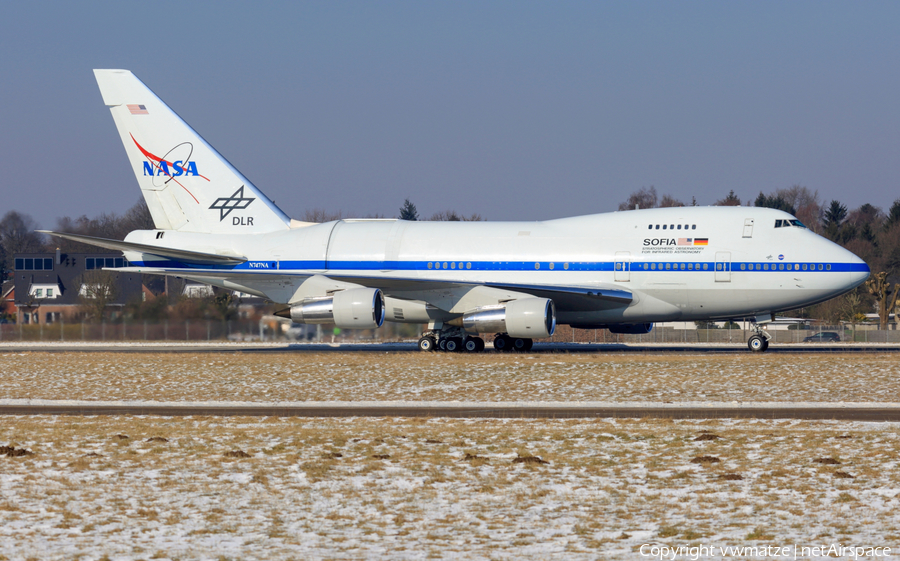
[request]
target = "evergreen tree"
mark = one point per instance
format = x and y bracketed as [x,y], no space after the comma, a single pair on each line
[774,201]
[408,211]
[893,215]
[834,223]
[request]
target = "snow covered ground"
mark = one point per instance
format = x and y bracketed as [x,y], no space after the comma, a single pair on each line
[613,377]
[414,488]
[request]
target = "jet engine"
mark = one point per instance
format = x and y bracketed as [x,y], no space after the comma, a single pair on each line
[531,318]
[356,308]
[630,328]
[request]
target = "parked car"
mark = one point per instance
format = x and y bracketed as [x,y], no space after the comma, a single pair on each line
[823,337]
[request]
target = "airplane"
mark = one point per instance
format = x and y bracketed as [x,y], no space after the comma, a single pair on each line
[622,271]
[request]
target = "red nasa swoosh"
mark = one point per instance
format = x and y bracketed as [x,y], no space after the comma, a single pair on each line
[156,159]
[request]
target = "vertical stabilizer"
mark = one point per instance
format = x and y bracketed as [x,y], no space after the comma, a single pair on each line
[187,184]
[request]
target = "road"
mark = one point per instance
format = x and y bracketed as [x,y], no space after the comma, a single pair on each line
[171,347]
[530,410]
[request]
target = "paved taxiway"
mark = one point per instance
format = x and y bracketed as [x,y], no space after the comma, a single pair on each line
[176,347]
[509,410]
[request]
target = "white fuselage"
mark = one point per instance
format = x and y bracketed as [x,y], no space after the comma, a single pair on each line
[745,267]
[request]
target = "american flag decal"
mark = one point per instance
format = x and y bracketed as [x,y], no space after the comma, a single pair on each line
[685,241]
[138,109]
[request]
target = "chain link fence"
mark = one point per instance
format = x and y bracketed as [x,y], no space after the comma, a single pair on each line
[275,330]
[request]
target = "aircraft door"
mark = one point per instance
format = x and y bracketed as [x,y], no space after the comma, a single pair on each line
[723,266]
[748,227]
[622,266]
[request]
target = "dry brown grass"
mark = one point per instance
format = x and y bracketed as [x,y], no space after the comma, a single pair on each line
[604,479]
[437,377]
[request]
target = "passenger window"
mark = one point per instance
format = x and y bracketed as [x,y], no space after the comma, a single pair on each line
[694,227]
[828,267]
[690,266]
[679,226]
[657,226]
[705,266]
[682,266]
[820,266]
[650,227]
[668,266]
[653,266]
[743,266]
[664,226]
[804,266]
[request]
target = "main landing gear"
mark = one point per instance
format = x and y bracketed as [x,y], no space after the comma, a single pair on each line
[455,340]
[505,344]
[759,342]
[451,340]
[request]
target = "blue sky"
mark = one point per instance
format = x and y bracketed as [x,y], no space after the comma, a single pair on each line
[514,110]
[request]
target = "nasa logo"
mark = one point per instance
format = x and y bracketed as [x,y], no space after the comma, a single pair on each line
[658,241]
[178,168]
[781,257]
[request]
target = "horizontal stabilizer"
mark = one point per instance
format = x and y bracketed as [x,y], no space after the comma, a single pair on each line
[167,252]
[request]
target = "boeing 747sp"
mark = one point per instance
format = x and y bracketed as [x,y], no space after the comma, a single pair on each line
[621,271]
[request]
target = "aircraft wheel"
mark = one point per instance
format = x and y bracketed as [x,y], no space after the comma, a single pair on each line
[453,344]
[470,345]
[426,344]
[521,344]
[758,344]
[502,343]
[480,342]
[442,345]
[528,344]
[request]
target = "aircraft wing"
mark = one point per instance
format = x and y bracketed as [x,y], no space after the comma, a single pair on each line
[194,257]
[566,297]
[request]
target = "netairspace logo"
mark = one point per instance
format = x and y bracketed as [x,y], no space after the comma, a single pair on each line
[694,553]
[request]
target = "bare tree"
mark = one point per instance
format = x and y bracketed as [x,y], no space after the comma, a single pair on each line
[668,201]
[106,225]
[885,296]
[644,198]
[319,215]
[730,200]
[453,216]
[17,235]
[98,289]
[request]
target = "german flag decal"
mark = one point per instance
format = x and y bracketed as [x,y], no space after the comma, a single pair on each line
[701,241]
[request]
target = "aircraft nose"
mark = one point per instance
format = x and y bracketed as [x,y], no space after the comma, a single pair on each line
[859,270]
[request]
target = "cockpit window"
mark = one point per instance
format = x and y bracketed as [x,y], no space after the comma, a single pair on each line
[789,223]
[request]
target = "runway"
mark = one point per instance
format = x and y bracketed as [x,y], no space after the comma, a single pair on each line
[843,411]
[539,348]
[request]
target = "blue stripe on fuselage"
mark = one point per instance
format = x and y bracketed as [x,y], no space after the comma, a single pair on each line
[649,266]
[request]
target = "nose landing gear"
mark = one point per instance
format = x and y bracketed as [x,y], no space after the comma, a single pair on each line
[759,342]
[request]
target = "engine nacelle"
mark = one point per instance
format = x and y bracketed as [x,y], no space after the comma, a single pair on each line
[531,318]
[356,308]
[630,328]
